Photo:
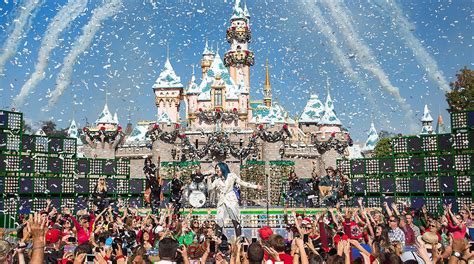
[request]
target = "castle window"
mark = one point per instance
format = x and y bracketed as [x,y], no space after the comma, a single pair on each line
[218,98]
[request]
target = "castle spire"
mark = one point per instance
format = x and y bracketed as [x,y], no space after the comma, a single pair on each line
[427,122]
[267,87]
[440,128]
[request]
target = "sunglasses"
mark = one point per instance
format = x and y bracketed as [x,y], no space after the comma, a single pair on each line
[308,227]
[392,220]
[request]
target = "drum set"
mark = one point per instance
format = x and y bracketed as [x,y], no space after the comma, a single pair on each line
[195,194]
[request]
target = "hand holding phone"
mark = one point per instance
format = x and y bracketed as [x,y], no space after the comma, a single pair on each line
[212,246]
[246,247]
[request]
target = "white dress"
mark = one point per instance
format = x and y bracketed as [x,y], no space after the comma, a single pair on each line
[227,202]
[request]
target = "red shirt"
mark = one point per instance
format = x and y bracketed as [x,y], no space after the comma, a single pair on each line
[83,235]
[285,258]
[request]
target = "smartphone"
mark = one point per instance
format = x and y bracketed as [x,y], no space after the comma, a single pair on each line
[305,238]
[246,247]
[212,246]
[69,248]
[72,239]
[90,258]
[254,240]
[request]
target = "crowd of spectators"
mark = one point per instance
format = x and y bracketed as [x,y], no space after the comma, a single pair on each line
[118,234]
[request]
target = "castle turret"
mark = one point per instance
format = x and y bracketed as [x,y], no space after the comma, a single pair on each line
[440,127]
[239,58]
[192,93]
[207,59]
[311,115]
[329,120]
[371,141]
[168,92]
[427,122]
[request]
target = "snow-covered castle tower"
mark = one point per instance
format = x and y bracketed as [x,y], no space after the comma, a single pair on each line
[371,142]
[427,122]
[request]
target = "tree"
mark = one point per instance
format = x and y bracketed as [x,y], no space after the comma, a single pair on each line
[461,96]
[49,128]
[383,148]
[26,127]
[386,134]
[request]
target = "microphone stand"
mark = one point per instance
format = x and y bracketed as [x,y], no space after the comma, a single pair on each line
[268,198]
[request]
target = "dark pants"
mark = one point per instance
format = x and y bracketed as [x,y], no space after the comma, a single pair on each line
[155,202]
[175,200]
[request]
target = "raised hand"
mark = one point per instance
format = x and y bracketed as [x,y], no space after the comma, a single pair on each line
[37,226]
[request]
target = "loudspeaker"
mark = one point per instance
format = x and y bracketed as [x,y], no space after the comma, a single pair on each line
[414,144]
[445,142]
[416,164]
[446,163]
[109,167]
[27,164]
[83,166]
[358,166]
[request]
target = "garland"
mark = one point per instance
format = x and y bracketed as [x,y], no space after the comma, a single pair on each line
[241,34]
[103,136]
[155,133]
[218,143]
[332,143]
[273,137]
[239,58]
[212,117]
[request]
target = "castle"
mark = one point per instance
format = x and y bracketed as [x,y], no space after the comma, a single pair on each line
[218,109]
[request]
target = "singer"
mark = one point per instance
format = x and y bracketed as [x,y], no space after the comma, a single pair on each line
[227,202]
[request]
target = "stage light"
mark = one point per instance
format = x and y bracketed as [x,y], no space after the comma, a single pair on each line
[373,185]
[96,166]
[69,166]
[399,145]
[460,141]
[11,185]
[430,143]
[431,163]
[123,167]
[458,120]
[69,146]
[401,165]
[463,162]
[41,144]
[402,185]
[39,204]
[41,164]
[433,203]
[10,205]
[13,142]
[464,183]
[40,185]
[68,185]
[14,121]
[372,166]
[432,184]
[123,186]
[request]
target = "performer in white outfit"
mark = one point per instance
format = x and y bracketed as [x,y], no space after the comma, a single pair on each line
[227,202]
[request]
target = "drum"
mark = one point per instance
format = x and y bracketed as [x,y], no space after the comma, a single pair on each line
[202,187]
[197,199]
